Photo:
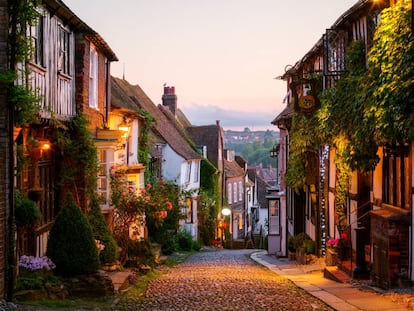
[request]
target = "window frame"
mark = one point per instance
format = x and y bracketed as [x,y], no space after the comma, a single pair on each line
[93,77]
[396,176]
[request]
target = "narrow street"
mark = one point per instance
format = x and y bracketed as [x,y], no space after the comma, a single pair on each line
[223,280]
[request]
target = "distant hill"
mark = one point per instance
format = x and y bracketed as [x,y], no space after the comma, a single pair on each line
[253,146]
[248,136]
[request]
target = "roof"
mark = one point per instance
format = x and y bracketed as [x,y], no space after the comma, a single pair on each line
[163,128]
[208,135]
[232,169]
[286,114]
[120,100]
[58,8]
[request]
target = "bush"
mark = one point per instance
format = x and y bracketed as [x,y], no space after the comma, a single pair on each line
[26,212]
[71,245]
[169,244]
[184,241]
[140,253]
[297,241]
[101,232]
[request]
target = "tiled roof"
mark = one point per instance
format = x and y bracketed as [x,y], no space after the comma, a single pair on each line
[232,169]
[162,127]
[207,135]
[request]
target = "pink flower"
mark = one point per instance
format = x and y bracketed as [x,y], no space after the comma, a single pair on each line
[344,236]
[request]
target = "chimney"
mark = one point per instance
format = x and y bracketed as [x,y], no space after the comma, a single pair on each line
[169,98]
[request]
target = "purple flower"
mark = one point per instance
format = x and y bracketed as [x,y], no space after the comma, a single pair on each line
[36,263]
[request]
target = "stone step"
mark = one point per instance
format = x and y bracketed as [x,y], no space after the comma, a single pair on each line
[335,274]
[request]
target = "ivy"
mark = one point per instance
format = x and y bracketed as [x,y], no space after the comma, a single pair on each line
[143,144]
[390,77]
[369,107]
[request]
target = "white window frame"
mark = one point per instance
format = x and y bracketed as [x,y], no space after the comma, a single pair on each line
[229,193]
[235,192]
[93,78]
[240,191]
[274,217]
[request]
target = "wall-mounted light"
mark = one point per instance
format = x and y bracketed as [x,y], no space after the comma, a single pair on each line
[226,211]
[124,127]
[45,145]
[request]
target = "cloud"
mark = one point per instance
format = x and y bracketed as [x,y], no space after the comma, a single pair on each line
[229,118]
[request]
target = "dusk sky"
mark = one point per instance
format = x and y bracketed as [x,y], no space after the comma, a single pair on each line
[221,55]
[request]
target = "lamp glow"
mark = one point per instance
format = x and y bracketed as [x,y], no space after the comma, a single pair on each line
[226,211]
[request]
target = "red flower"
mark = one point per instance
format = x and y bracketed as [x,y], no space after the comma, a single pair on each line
[169,205]
[344,236]
[143,191]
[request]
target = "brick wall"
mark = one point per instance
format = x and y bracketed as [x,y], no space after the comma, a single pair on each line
[4,150]
[82,83]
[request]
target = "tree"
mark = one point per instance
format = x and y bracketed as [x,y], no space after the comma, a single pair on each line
[71,245]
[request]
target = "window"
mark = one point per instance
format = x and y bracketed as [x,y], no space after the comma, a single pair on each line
[235,192]
[188,210]
[240,191]
[93,78]
[188,172]
[36,35]
[64,51]
[396,172]
[103,177]
[196,171]
[274,227]
[229,196]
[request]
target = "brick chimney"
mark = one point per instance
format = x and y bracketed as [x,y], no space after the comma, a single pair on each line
[169,98]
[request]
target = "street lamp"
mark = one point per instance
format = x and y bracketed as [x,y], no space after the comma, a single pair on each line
[274,153]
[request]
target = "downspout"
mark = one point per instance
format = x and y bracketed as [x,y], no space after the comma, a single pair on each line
[107,95]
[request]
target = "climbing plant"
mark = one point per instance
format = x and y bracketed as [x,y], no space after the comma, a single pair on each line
[370,106]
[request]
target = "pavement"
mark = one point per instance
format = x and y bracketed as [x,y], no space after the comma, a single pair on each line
[340,296]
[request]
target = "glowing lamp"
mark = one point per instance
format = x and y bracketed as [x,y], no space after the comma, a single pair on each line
[226,211]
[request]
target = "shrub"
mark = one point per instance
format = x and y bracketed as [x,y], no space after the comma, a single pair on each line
[168,244]
[71,245]
[184,240]
[140,252]
[101,233]
[25,211]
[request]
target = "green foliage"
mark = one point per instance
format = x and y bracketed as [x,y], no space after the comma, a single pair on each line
[255,153]
[101,232]
[302,140]
[143,144]
[299,240]
[184,241]
[390,104]
[71,245]
[22,14]
[79,169]
[26,212]
[140,253]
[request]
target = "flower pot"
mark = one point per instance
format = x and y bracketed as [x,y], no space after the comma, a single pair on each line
[331,257]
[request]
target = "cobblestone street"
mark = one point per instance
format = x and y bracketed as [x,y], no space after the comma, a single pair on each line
[223,280]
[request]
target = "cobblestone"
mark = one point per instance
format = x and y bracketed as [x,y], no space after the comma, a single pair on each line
[222,280]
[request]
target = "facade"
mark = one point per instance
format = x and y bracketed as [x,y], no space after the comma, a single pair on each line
[54,73]
[374,226]
[234,180]
[172,157]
